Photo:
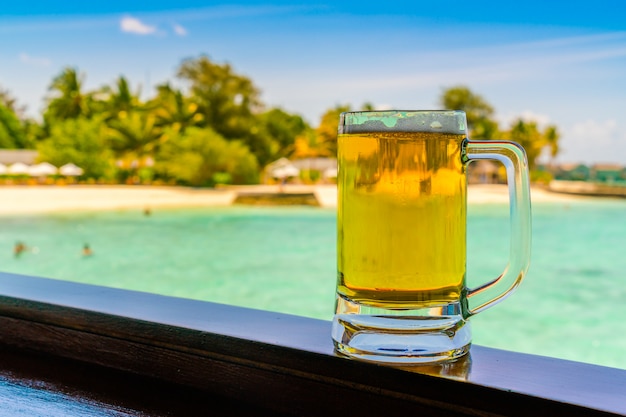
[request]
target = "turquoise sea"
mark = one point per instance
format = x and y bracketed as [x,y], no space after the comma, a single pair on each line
[570,306]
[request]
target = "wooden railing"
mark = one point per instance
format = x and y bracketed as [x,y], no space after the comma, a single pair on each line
[258,362]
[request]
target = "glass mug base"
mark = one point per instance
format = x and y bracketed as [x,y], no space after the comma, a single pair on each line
[406,336]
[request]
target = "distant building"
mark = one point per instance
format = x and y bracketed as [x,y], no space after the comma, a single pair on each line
[315,164]
[572,172]
[483,171]
[608,173]
[306,169]
[24,156]
[280,169]
[318,168]
[602,173]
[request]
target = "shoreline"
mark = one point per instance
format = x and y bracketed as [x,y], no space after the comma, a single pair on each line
[49,199]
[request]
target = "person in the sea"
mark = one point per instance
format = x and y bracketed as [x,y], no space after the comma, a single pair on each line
[87,250]
[19,248]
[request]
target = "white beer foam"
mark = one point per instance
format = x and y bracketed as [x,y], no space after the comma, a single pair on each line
[441,121]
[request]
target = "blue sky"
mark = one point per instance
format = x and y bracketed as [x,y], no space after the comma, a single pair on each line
[555,62]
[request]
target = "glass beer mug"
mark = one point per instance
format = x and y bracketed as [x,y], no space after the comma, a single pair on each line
[401,235]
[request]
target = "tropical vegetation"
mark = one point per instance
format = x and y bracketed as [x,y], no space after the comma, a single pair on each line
[208,127]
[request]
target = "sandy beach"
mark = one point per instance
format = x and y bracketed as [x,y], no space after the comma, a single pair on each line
[497,193]
[45,199]
[476,194]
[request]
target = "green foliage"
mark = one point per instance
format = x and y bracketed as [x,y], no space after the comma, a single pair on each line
[482,126]
[327,130]
[533,140]
[310,175]
[225,99]
[133,135]
[479,113]
[34,133]
[67,100]
[282,127]
[222,178]
[8,101]
[551,137]
[202,157]
[113,101]
[274,134]
[215,130]
[173,109]
[16,131]
[540,177]
[82,142]
[229,104]
[323,143]
[526,134]
[145,174]
[12,132]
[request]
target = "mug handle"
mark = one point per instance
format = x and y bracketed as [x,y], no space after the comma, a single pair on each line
[513,157]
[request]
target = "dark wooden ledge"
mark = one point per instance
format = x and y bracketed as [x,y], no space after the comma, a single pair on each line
[154,355]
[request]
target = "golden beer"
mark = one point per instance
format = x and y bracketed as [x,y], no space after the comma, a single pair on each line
[401,232]
[401,219]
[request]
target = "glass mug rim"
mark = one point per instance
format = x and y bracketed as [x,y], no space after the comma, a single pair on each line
[374,121]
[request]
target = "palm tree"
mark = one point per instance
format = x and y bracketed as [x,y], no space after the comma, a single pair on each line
[173,109]
[552,136]
[327,130]
[227,100]
[68,101]
[119,100]
[12,132]
[134,137]
[478,111]
[10,103]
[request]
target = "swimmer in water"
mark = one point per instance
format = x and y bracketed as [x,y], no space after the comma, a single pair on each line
[87,250]
[19,249]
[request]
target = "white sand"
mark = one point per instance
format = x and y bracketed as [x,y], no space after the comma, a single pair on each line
[476,194]
[42,199]
[497,193]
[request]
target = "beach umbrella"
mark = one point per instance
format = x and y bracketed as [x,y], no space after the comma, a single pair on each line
[285,171]
[70,170]
[42,169]
[3,169]
[330,173]
[18,168]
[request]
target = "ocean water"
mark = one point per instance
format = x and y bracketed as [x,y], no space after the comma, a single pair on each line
[570,306]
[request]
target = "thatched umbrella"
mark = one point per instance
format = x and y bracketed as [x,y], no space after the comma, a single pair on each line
[71,170]
[41,170]
[18,168]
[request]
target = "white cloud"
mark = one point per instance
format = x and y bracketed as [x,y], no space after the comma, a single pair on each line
[131,25]
[527,115]
[595,132]
[35,61]
[179,30]
[594,141]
